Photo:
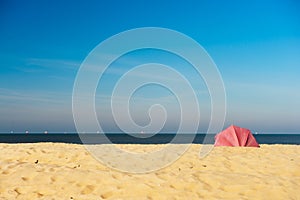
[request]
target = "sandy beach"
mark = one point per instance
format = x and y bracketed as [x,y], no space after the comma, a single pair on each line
[68,171]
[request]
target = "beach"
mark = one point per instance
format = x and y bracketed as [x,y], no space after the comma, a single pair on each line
[69,171]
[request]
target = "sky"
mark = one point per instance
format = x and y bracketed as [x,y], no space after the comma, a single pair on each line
[254,44]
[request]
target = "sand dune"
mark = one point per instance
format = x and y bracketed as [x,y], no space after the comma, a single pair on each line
[68,171]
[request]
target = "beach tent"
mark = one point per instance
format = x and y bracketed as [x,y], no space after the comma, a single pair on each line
[235,136]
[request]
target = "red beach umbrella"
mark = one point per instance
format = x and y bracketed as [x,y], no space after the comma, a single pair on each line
[235,136]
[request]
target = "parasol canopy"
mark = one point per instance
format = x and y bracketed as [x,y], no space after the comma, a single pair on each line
[235,136]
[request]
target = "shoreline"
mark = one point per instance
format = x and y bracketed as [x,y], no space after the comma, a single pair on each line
[144,139]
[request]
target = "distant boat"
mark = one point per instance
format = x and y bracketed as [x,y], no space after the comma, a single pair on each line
[46,132]
[27,132]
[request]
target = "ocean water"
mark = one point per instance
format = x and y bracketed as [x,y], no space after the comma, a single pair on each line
[137,139]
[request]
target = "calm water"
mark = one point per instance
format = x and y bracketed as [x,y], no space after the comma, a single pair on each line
[127,139]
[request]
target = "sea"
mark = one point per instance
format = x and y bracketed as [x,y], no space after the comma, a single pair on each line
[121,138]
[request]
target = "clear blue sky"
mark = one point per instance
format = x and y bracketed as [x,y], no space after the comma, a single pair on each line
[255,44]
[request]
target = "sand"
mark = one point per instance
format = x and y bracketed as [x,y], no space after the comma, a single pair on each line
[68,171]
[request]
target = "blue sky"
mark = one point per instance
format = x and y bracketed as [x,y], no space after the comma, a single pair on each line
[255,45]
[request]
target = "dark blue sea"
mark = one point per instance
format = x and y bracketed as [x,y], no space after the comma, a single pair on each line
[136,139]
